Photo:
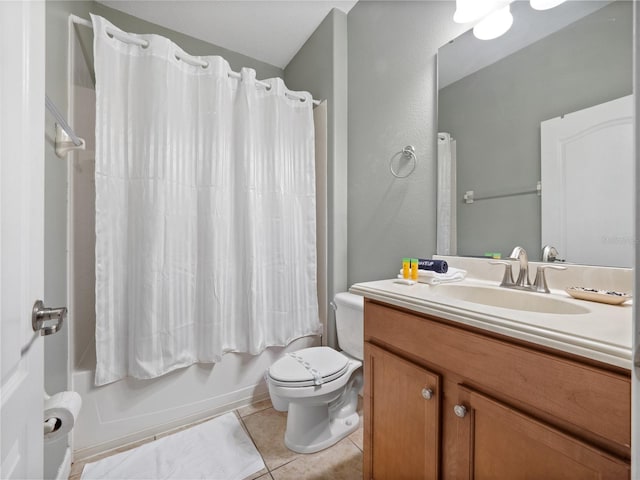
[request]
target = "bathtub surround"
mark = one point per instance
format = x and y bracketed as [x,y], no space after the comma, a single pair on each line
[193,256]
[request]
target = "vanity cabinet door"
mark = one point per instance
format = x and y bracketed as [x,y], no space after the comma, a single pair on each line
[497,441]
[402,428]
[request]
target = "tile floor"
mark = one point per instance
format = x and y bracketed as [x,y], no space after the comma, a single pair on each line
[266,427]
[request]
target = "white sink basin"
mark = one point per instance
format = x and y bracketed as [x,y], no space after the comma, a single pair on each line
[512,299]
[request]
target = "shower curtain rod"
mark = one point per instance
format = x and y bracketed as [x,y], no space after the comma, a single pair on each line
[187,58]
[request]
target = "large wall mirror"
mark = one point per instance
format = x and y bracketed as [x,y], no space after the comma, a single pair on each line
[501,100]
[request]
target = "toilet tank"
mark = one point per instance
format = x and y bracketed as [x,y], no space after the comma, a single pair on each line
[350,323]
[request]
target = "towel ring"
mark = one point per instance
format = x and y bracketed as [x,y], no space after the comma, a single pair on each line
[407,152]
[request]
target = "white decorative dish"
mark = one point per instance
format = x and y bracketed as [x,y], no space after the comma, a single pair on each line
[595,295]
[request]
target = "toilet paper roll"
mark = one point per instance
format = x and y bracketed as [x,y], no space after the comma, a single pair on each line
[60,414]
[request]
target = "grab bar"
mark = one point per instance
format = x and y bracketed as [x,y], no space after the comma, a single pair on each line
[470,196]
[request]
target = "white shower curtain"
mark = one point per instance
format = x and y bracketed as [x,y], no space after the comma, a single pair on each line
[205,210]
[446,237]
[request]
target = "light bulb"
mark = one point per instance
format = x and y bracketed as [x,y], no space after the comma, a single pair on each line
[545,4]
[494,25]
[468,11]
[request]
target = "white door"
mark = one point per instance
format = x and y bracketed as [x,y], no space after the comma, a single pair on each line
[21,235]
[588,184]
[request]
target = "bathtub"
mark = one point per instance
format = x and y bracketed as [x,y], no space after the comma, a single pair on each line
[130,410]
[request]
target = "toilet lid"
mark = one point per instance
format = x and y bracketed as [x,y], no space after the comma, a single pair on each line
[309,366]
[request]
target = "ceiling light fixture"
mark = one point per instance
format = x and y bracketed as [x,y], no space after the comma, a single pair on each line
[468,11]
[494,24]
[493,16]
[545,4]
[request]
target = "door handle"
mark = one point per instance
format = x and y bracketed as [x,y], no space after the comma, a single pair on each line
[47,320]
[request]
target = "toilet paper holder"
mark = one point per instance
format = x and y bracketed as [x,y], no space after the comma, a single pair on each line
[60,414]
[47,320]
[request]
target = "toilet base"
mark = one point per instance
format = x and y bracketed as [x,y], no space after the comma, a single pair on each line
[322,436]
[312,427]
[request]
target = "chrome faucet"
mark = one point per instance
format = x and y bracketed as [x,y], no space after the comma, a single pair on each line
[520,254]
[550,254]
[523,283]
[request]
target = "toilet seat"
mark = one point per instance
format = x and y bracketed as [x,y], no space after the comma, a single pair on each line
[308,367]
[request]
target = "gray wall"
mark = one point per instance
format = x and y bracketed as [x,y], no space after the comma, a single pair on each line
[320,67]
[392,103]
[495,114]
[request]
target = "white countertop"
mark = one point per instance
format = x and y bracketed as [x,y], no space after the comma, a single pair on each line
[603,334]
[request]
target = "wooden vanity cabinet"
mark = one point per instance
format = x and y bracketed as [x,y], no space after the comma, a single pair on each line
[497,441]
[443,400]
[406,438]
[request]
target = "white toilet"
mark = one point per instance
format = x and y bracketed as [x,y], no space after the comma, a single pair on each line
[319,386]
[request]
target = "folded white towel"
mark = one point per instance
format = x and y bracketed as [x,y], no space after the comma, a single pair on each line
[433,278]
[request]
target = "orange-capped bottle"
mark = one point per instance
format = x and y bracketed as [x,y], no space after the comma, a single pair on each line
[414,269]
[405,268]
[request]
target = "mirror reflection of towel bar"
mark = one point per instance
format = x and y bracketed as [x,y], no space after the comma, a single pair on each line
[470,196]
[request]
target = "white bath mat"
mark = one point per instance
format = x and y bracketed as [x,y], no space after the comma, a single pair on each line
[217,450]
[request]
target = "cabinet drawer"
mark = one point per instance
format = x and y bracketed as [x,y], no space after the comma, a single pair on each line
[581,395]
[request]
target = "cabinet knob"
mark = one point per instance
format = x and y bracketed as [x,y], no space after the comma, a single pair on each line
[460,410]
[427,393]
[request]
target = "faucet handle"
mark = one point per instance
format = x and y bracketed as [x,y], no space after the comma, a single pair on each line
[507,278]
[540,283]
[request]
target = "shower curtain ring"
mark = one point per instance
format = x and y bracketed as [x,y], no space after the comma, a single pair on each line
[408,152]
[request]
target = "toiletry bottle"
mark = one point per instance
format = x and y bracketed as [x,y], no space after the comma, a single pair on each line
[414,269]
[405,268]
